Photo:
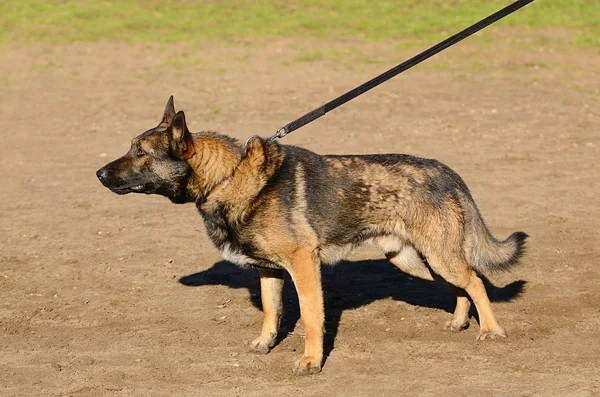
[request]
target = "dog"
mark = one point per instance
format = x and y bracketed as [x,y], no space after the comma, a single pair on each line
[281,208]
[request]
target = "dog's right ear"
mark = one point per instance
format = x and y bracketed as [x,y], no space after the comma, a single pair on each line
[169,112]
[181,139]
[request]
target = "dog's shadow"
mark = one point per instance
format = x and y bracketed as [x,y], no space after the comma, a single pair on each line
[348,285]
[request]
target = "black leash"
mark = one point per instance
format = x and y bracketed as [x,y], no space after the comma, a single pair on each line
[329,106]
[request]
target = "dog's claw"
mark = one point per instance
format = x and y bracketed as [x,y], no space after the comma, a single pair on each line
[261,348]
[452,327]
[307,366]
[487,334]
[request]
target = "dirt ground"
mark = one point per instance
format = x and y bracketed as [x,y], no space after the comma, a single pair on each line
[106,295]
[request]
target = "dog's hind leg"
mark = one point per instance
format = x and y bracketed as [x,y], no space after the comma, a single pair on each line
[271,286]
[409,261]
[453,268]
[460,318]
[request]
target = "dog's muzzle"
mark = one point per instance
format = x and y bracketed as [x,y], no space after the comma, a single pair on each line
[119,186]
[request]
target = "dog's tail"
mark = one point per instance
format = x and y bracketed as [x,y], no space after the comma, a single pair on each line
[484,253]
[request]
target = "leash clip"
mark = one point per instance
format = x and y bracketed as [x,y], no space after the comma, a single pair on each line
[281,132]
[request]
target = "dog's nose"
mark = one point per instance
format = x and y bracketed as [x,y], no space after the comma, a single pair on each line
[101,174]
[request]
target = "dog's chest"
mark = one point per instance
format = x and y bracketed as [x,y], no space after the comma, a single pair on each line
[226,239]
[236,256]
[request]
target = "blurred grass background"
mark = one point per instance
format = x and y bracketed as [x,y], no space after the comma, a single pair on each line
[412,21]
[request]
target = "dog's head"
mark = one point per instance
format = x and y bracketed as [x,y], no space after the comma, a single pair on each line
[156,162]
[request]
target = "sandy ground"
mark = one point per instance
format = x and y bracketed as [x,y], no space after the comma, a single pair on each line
[106,295]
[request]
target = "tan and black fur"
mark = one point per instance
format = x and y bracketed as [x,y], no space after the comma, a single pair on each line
[283,208]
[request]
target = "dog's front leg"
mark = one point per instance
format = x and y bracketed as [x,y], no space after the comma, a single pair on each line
[271,286]
[305,270]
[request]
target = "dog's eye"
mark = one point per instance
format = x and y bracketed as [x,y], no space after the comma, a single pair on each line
[140,153]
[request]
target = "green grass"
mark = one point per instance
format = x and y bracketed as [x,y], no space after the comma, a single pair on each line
[367,60]
[414,21]
[309,56]
[587,90]
[182,62]
[438,65]
[41,66]
[478,65]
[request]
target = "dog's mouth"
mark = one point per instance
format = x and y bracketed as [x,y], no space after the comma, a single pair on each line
[126,187]
[140,188]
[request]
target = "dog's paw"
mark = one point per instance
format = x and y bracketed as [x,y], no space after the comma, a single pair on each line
[258,346]
[454,326]
[307,365]
[262,345]
[489,334]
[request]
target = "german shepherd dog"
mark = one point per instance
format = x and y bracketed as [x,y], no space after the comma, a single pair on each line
[283,208]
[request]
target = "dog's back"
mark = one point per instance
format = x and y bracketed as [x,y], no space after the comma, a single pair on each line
[351,199]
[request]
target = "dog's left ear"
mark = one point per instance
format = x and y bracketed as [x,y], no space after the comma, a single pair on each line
[181,139]
[169,112]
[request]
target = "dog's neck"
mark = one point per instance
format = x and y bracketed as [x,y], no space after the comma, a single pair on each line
[227,177]
[214,160]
